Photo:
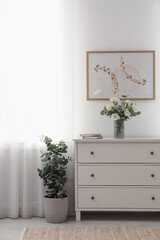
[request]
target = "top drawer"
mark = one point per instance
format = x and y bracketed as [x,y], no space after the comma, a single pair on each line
[118,152]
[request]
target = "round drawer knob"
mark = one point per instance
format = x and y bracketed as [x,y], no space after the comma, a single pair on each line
[92,198]
[153,198]
[91,153]
[152,175]
[92,175]
[152,153]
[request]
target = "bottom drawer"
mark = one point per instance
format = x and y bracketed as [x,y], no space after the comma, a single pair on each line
[119,197]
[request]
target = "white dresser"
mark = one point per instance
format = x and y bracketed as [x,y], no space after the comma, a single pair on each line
[117,175]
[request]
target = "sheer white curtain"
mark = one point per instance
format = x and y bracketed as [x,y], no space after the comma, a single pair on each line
[36,97]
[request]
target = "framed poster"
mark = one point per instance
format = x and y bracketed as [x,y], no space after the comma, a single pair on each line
[117,73]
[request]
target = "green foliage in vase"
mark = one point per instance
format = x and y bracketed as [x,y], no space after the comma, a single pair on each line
[120,109]
[54,164]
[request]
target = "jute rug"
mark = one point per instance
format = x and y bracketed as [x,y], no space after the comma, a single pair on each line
[91,233]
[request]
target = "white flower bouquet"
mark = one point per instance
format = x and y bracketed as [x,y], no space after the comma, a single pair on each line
[120,109]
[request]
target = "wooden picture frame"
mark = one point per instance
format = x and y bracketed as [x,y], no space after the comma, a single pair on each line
[117,73]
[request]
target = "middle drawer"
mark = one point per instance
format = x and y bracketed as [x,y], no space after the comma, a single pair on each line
[118,175]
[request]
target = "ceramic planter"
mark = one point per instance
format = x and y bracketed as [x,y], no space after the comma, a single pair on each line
[55,209]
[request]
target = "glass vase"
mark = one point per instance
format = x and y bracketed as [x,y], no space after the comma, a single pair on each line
[119,129]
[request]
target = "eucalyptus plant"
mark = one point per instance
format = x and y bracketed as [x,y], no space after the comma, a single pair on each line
[120,109]
[54,165]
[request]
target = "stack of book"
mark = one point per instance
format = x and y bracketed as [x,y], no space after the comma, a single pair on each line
[91,136]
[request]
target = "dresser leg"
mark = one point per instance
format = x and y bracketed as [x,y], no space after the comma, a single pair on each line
[78,216]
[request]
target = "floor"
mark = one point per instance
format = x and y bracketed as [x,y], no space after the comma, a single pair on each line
[11,229]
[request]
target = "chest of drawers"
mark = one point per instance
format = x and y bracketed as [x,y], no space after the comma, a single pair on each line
[117,175]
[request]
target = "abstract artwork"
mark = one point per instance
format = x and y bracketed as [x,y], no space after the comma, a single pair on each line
[114,74]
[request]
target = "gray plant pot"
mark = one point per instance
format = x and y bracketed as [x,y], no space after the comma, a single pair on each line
[55,209]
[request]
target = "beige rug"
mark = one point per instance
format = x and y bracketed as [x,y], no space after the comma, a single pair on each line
[91,233]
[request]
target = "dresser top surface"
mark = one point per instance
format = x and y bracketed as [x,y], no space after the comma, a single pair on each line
[113,140]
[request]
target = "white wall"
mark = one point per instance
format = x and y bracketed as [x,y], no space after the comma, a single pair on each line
[114,25]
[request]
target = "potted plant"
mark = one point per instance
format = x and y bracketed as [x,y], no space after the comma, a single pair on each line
[120,111]
[53,173]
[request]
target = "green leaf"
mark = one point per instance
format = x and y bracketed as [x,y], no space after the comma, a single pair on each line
[102,112]
[54,165]
[138,113]
[124,96]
